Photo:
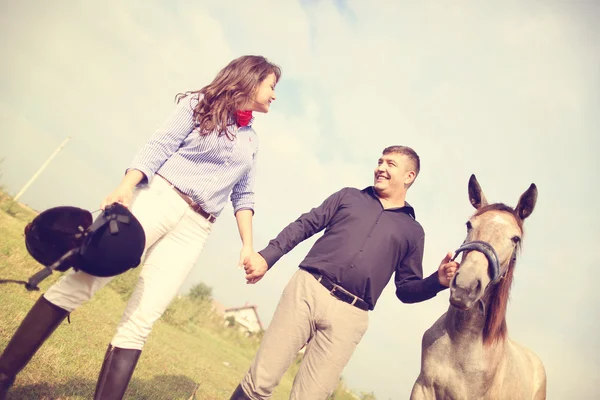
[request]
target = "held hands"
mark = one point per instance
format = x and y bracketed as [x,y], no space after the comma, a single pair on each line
[255,267]
[245,254]
[447,269]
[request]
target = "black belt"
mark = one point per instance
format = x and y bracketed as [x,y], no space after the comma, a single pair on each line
[193,205]
[339,292]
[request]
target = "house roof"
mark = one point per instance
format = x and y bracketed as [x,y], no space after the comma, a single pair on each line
[247,307]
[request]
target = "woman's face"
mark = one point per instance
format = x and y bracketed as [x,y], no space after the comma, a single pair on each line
[265,94]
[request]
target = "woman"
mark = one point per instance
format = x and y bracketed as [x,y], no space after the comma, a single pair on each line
[176,187]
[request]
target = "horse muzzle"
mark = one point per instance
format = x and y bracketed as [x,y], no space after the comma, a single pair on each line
[466,287]
[465,293]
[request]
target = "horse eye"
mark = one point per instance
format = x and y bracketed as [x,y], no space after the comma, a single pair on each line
[469,226]
[516,239]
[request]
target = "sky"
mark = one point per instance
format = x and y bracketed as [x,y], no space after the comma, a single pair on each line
[508,91]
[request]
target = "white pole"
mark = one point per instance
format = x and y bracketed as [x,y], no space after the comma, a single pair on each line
[39,171]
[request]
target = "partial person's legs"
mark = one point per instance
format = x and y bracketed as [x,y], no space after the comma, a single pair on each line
[167,265]
[291,327]
[339,328]
[72,290]
[43,318]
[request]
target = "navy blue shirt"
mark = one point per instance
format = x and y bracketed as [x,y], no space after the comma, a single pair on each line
[362,247]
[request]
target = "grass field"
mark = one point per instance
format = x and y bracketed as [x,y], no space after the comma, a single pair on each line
[189,348]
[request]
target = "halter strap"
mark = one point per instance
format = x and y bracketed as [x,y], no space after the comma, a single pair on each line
[490,254]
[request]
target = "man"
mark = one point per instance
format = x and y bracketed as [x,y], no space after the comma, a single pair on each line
[370,234]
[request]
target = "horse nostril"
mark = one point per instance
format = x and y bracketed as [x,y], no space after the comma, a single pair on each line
[453,280]
[478,288]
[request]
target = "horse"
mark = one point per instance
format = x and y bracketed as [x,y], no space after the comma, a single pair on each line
[467,354]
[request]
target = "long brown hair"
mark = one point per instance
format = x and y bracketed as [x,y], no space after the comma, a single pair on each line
[233,86]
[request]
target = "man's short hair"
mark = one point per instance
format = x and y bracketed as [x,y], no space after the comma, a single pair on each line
[409,153]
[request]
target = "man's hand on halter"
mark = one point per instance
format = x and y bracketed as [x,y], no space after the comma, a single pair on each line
[447,269]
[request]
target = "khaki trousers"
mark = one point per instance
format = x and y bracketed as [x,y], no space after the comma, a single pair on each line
[175,236]
[306,313]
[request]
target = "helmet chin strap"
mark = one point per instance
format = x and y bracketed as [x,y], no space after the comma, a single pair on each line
[46,272]
[34,280]
[12,281]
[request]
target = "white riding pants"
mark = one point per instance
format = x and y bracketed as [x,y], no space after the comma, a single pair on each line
[175,236]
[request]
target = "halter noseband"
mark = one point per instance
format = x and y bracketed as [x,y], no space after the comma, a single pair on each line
[490,254]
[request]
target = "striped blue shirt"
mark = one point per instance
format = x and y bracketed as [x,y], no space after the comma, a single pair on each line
[205,167]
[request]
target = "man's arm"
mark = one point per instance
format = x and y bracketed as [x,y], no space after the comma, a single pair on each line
[410,285]
[304,227]
[301,229]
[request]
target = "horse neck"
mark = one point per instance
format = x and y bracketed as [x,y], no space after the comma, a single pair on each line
[466,326]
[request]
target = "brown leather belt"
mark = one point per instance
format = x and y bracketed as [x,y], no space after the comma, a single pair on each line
[339,292]
[193,205]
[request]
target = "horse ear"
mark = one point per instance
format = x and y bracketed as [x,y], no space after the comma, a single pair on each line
[527,202]
[476,196]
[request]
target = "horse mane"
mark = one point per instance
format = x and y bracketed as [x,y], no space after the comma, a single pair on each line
[495,320]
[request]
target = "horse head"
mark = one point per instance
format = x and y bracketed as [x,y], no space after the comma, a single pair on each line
[494,234]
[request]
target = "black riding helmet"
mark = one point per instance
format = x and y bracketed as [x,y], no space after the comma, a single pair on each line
[65,237]
[114,244]
[54,232]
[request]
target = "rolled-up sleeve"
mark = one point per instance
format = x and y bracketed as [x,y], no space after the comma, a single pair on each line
[242,194]
[166,140]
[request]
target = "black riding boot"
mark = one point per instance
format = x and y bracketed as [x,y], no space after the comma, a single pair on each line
[116,373]
[43,318]
[239,394]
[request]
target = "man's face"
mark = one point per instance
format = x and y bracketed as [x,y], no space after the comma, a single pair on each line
[392,172]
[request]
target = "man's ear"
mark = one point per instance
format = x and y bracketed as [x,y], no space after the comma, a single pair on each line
[409,177]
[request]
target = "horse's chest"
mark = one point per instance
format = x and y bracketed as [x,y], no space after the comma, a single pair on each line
[452,370]
[443,353]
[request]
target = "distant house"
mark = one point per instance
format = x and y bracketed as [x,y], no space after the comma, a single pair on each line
[246,317]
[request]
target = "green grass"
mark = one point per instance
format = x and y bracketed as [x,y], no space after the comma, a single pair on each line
[189,347]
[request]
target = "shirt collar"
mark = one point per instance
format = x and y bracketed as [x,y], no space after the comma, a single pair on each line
[231,122]
[406,209]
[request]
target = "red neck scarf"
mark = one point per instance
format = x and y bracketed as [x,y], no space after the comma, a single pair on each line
[243,117]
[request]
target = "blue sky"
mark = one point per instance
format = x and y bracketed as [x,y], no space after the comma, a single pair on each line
[507,91]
